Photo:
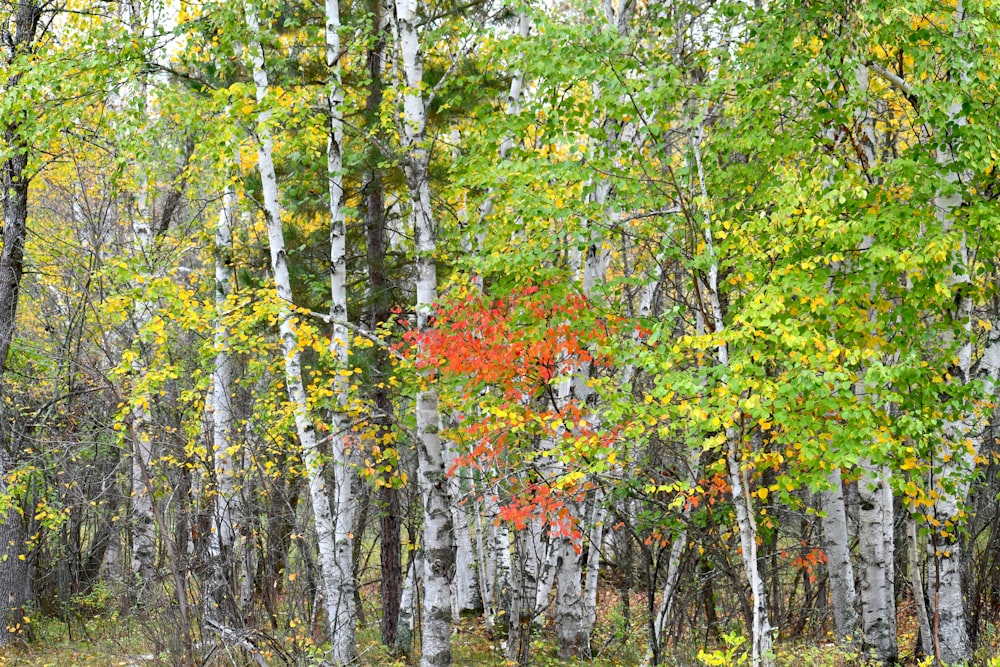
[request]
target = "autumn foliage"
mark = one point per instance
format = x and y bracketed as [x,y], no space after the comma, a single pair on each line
[508,365]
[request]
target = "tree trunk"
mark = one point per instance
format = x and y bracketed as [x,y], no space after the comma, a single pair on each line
[335,583]
[498,586]
[408,605]
[523,596]
[878,609]
[379,300]
[341,580]
[572,638]
[917,583]
[595,547]
[14,568]
[543,561]
[14,181]
[838,563]
[678,544]
[438,537]
[466,596]
[761,654]
[226,454]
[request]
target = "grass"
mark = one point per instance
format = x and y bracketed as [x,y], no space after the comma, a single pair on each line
[106,637]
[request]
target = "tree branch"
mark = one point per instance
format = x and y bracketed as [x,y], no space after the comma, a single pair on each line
[898,82]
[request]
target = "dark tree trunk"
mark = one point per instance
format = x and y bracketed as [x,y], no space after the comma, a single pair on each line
[14,181]
[380,303]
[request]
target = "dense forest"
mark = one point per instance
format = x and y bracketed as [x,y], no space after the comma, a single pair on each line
[660,332]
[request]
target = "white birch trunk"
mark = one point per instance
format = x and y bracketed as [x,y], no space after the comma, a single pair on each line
[950,636]
[658,626]
[224,452]
[838,564]
[487,566]
[964,434]
[331,588]
[497,573]
[343,623]
[466,596]
[143,523]
[408,604]
[878,609]
[523,595]
[513,109]
[572,638]
[438,536]
[761,654]
[223,449]
[543,561]
[595,541]
[761,650]
[141,418]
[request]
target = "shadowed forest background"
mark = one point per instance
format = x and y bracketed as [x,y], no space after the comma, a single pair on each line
[499,333]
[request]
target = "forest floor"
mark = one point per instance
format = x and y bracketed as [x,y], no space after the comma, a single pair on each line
[118,639]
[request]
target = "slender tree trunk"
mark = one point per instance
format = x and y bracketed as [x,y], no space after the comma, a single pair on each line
[659,626]
[341,581]
[498,587]
[948,623]
[678,544]
[572,637]
[543,560]
[838,563]
[523,596]
[916,580]
[143,523]
[408,605]
[595,548]
[335,583]
[878,609]
[957,456]
[226,453]
[761,654]
[379,298]
[466,596]
[438,539]
[14,180]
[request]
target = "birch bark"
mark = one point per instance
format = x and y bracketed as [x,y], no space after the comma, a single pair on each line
[878,608]
[495,565]
[916,580]
[572,638]
[761,654]
[343,621]
[963,434]
[143,527]
[438,535]
[225,453]
[332,585]
[595,548]
[839,566]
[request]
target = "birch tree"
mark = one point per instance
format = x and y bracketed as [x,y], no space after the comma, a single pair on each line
[438,535]
[344,621]
[333,583]
[226,454]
